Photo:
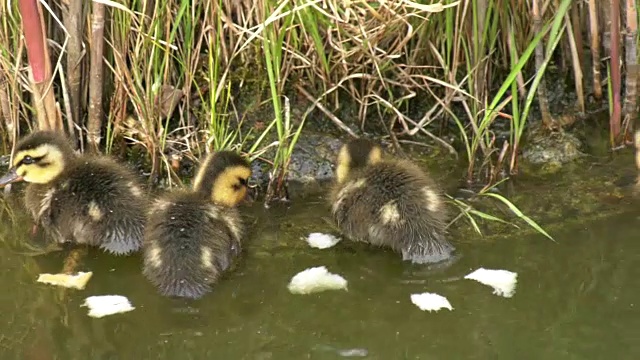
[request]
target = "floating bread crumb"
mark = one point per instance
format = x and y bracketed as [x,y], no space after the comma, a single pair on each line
[78,281]
[503,282]
[321,241]
[430,302]
[104,305]
[316,279]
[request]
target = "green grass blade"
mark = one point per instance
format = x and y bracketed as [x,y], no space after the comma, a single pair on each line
[519,213]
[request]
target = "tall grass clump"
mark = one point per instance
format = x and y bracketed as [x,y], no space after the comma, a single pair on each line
[12,81]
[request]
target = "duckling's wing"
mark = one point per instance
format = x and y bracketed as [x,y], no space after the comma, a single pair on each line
[101,203]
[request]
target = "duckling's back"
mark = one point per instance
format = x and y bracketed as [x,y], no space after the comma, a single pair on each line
[394,204]
[94,201]
[189,243]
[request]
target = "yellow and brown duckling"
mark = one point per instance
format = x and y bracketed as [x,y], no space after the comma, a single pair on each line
[82,199]
[193,236]
[390,203]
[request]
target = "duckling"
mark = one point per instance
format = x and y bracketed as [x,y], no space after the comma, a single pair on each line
[193,236]
[390,203]
[82,199]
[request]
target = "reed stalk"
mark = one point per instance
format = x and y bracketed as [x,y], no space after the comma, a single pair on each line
[576,63]
[40,72]
[72,16]
[11,54]
[480,12]
[543,101]
[614,121]
[576,25]
[605,15]
[96,82]
[273,43]
[6,119]
[595,49]
[630,110]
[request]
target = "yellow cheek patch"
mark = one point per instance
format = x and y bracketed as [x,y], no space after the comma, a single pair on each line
[48,164]
[227,188]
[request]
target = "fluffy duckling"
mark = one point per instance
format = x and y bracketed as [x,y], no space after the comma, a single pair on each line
[390,203]
[193,236]
[82,199]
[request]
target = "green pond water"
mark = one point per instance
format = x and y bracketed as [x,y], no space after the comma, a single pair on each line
[577,298]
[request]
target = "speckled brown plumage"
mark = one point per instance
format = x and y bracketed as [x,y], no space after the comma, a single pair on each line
[194,236]
[390,203]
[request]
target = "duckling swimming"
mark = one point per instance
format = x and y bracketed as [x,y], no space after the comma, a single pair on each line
[193,236]
[390,203]
[83,199]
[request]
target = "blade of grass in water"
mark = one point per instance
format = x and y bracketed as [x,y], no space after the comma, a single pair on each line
[519,213]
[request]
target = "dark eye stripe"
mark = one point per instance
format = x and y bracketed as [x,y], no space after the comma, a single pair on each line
[34,160]
[242,183]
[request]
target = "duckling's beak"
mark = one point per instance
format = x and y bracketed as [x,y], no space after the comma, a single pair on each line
[252,192]
[10,177]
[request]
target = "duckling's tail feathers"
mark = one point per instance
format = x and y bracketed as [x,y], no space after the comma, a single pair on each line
[178,280]
[124,239]
[184,270]
[121,248]
[184,288]
[434,249]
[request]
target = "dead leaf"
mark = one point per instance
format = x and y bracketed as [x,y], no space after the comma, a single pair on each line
[169,97]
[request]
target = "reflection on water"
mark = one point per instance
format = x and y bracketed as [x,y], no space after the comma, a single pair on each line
[576,299]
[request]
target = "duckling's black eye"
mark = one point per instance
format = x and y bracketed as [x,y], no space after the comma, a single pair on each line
[242,183]
[27,160]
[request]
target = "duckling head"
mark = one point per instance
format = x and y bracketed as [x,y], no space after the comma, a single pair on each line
[224,177]
[356,154]
[39,158]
